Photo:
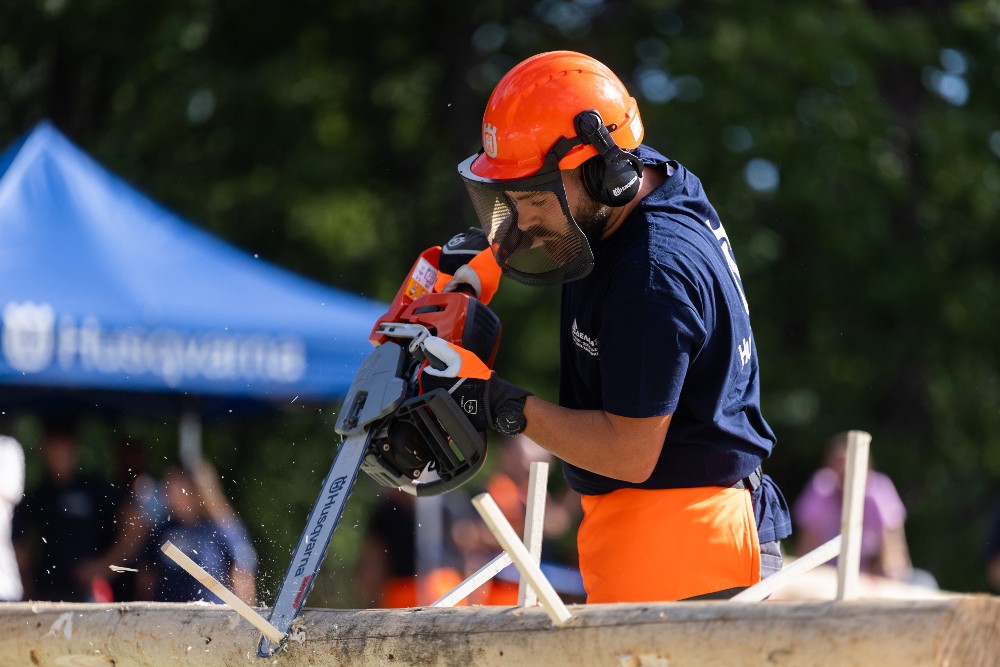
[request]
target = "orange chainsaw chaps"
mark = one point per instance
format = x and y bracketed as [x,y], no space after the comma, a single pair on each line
[643,545]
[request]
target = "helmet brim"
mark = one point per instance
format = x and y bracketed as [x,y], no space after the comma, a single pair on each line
[627,135]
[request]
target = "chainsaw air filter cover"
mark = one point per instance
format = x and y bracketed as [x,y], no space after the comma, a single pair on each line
[427,433]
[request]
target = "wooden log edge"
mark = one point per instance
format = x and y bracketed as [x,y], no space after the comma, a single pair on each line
[960,630]
[969,634]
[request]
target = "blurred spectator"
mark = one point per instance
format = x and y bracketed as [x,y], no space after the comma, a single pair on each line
[191,528]
[991,551]
[884,550]
[234,531]
[11,492]
[64,521]
[141,491]
[387,567]
[140,510]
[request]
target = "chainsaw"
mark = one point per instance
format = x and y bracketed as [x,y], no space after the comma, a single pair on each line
[421,443]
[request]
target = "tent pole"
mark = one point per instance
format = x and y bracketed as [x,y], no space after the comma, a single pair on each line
[190,439]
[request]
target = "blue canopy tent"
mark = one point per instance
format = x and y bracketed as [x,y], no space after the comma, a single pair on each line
[104,293]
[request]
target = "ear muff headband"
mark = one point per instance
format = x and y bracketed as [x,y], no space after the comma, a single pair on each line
[613,176]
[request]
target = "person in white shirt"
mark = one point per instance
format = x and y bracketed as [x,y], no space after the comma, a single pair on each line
[11,492]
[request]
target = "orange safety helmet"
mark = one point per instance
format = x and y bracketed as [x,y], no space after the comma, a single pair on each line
[535,104]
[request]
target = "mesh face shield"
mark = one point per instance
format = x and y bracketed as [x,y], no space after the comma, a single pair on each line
[529,225]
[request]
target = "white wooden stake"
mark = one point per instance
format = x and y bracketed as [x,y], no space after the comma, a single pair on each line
[237,605]
[475,580]
[508,539]
[764,588]
[534,523]
[852,514]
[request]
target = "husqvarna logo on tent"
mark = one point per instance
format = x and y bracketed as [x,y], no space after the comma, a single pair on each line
[490,139]
[35,340]
[29,335]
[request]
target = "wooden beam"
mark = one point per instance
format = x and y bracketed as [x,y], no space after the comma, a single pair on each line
[534,522]
[534,525]
[474,581]
[852,514]
[211,583]
[503,532]
[964,630]
[791,571]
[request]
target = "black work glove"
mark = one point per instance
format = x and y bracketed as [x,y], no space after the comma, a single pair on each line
[494,403]
[461,248]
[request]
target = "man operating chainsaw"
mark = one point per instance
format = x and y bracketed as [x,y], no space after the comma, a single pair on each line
[659,423]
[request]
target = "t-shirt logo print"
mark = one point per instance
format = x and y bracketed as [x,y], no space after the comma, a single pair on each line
[727,251]
[583,341]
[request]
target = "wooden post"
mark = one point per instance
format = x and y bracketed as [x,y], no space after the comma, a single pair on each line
[534,524]
[852,514]
[534,521]
[227,596]
[475,580]
[507,537]
[189,438]
[764,588]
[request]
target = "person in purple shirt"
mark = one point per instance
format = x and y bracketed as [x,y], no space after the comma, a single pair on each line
[816,512]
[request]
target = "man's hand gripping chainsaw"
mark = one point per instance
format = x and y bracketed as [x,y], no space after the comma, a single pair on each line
[420,442]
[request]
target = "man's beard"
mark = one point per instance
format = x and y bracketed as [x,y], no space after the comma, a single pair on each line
[592,218]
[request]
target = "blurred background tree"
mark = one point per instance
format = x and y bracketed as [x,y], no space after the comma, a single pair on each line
[852,149]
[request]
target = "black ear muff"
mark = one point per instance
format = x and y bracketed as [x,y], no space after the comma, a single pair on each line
[614,183]
[613,176]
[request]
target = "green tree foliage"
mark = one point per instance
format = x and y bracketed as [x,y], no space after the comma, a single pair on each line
[852,149]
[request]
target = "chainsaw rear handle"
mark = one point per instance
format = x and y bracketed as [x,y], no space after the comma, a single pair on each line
[454,316]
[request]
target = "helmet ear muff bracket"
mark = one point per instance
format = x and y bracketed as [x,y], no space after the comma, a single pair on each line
[613,176]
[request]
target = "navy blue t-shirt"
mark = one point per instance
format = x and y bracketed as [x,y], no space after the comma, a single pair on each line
[662,326]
